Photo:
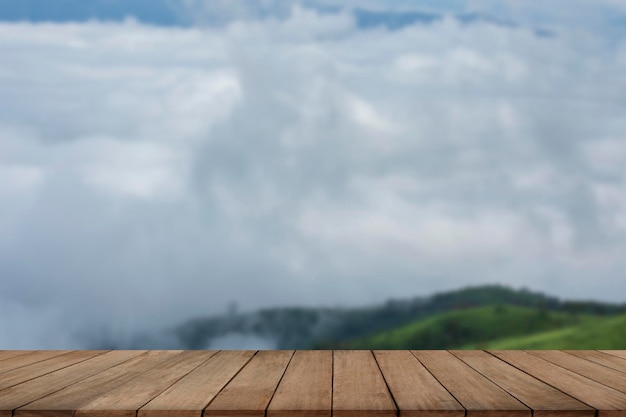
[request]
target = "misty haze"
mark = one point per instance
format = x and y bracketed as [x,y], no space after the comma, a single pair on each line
[230,174]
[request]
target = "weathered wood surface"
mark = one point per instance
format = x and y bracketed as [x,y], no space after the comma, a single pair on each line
[607,401]
[340,383]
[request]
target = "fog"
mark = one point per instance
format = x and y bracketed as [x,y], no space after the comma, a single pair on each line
[296,156]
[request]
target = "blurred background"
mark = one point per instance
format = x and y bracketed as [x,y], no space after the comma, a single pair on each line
[312,174]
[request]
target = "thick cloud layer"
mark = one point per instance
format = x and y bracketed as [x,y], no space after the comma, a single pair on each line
[151,174]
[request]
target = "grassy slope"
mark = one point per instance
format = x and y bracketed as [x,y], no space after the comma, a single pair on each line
[476,326]
[600,333]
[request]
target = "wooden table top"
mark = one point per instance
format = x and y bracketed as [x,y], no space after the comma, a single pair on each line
[285,383]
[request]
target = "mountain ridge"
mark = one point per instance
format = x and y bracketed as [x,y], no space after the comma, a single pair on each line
[347,327]
[305,328]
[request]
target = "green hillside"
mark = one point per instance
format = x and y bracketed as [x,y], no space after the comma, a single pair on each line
[476,326]
[442,320]
[599,333]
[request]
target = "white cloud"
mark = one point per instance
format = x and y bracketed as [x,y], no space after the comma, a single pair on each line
[365,115]
[412,63]
[165,172]
[135,169]
[18,178]
[608,155]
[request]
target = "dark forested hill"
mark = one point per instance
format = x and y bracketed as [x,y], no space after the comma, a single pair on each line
[476,325]
[302,328]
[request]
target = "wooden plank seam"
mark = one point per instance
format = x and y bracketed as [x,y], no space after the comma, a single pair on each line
[395,403]
[300,383]
[440,383]
[202,413]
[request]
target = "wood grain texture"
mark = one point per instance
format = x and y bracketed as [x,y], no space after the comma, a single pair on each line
[250,391]
[359,389]
[416,392]
[306,387]
[618,353]
[28,372]
[602,374]
[312,383]
[608,401]
[27,392]
[610,361]
[29,359]
[8,354]
[64,402]
[191,394]
[124,400]
[481,397]
[543,399]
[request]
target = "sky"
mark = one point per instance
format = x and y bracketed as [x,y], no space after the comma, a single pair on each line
[161,160]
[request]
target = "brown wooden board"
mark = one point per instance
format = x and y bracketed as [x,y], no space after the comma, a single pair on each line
[29,359]
[481,397]
[25,373]
[618,353]
[191,394]
[26,392]
[543,399]
[63,403]
[126,399]
[250,391]
[359,389]
[313,384]
[416,392]
[306,387]
[608,401]
[610,361]
[602,374]
[8,354]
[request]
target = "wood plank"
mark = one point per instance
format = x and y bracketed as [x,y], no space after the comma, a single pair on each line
[25,373]
[8,354]
[126,399]
[618,353]
[190,395]
[63,403]
[608,401]
[481,397]
[26,392]
[306,387]
[614,362]
[250,392]
[416,392]
[29,359]
[543,399]
[313,384]
[602,374]
[359,389]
